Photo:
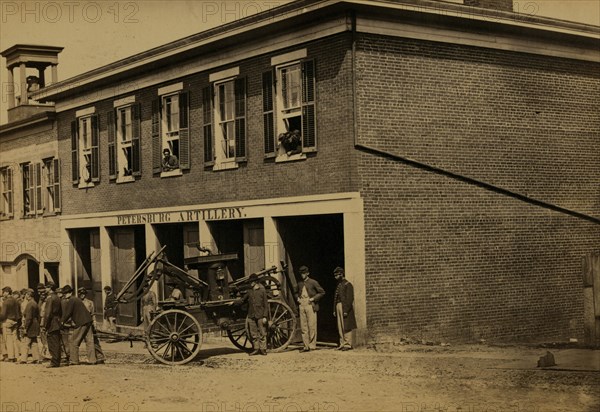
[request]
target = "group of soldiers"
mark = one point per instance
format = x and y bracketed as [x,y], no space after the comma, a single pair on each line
[49,324]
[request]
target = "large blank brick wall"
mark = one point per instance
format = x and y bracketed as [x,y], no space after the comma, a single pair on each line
[529,124]
[451,260]
[330,170]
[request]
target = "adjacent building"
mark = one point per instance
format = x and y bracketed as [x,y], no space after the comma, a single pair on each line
[446,154]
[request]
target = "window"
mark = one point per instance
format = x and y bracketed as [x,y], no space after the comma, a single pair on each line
[170,134]
[84,149]
[225,145]
[52,181]
[28,173]
[289,119]
[6,203]
[124,143]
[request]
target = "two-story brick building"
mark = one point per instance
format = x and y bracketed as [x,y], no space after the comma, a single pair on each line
[447,155]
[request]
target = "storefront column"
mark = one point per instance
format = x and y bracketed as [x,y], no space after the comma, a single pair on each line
[152,245]
[105,262]
[272,243]
[354,252]
[67,255]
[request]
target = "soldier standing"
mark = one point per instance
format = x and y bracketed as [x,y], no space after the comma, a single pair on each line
[31,328]
[51,322]
[10,316]
[89,305]
[76,312]
[258,307]
[309,293]
[344,309]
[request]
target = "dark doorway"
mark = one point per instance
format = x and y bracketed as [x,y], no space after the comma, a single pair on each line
[33,274]
[229,238]
[86,248]
[316,242]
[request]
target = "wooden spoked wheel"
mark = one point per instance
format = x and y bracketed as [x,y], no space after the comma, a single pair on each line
[239,336]
[174,337]
[282,325]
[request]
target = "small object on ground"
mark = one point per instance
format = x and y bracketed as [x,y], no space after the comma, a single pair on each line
[573,340]
[546,360]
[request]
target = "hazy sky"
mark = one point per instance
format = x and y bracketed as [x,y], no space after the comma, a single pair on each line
[95,33]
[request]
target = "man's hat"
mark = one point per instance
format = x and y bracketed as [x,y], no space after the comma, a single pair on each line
[67,289]
[338,270]
[41,286]
[107,287]
[82,291]
[303,269]
[29,291]
[253,277]
[7,289]
[51,285]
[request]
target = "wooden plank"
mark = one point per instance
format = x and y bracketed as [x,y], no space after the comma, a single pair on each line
[586,266]
[595,263]
[589,320]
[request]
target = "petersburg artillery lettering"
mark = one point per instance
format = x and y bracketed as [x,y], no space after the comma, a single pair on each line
[218,213]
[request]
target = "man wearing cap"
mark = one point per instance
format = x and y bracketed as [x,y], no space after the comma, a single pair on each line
[10,316]
[66,328]
[309,293]
[258,310]
[76,312]
[43,342]
[31,328]
[110,310]
[344,308]
[89,305]
[51,322]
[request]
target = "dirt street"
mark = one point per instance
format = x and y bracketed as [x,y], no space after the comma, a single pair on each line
[411,378]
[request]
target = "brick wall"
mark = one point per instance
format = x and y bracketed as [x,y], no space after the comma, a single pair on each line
[449,260]
[330,170]
[506,5]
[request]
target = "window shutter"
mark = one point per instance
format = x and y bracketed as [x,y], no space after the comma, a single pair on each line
[309,133]
[10,191]
[136,148]
[156,140]
[209,150]
[56,171]
[112,150]
[268,126]
[4,186]
[95,166]
[74,152]
[30,206]
[184,131]
[240,118]
[39,201]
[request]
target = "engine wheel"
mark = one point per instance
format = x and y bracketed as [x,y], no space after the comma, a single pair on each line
[174,337]
[282,325]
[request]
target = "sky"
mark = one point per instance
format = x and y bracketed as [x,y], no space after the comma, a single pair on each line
[95,33]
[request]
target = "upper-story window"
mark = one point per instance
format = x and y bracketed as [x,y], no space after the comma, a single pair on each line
[124,126]
[51,169]
[85,150]
[33,203]
[225,144]
[170,131]
[6,203]
[289,115]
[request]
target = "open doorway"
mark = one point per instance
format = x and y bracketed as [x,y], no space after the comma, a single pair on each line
[318,243]
[86,264]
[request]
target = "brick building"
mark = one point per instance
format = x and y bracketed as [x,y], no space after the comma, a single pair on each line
[447,155]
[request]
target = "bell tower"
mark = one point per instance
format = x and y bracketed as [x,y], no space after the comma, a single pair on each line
[31,62]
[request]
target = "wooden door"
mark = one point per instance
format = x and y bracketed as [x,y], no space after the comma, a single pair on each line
[254,247]
[591,294]
[123,267]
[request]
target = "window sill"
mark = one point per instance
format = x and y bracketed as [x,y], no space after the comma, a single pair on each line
[229,165]
[5,218]
[84,185]
[125,179]
[285,158]
[170,173]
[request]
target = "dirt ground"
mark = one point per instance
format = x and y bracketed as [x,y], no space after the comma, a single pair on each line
[407,378]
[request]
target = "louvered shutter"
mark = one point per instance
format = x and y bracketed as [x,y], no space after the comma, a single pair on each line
[207,115]
[184,131]
[156,140]
[39,200]
[136,139]
[30,201]
[95,159]
[10,191]
[56,183]
[240,118]
[74,152]
[268,126]
[309,132]
[112,149]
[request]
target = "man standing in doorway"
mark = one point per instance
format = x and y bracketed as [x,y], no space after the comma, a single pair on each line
[51,322]
[344,309]
[89,305]
[308,295]
[110,310]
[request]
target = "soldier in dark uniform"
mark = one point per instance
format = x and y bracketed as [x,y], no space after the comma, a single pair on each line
[344,309]
[258,311]
[76,312]
[51,322]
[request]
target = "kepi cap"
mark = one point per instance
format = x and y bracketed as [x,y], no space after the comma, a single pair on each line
[303,269]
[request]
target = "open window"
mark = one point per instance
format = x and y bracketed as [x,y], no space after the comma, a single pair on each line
[124,143]
[225,144]
[170,134]
[85,151]
[51,172]
[289,114]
